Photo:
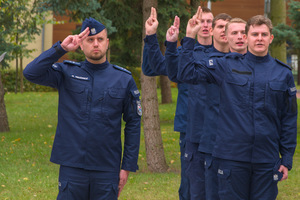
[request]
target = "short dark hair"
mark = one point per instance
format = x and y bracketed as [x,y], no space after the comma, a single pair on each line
[222,16]
[259,20]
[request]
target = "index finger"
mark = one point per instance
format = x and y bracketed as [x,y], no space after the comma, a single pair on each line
[153,13]
[177,22]
[84,33]
[199,13]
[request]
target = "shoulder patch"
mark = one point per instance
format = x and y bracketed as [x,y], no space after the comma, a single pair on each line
[72,62]
[283,64]
[121,69]
[56,67]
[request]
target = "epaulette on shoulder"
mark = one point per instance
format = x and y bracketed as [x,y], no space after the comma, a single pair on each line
[283,64]
[122,69]
[72,62]
[234,55]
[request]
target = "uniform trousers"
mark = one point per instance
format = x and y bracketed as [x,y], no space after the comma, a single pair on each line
[81,184]
[211,177]
[184,189]
[248,181]
[195,171]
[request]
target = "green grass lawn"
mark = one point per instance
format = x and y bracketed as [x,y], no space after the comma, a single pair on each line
[26,172]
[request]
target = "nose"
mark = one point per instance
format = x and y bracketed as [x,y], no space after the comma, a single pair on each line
[240,35]
[95,43]
[259,37]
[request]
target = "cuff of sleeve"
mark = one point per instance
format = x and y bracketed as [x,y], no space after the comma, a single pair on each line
[287,161]
[130,168]
[151,39]
[59,50]
[188,43]
[171,46]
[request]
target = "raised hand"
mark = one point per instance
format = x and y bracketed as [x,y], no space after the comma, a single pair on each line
[173,31]
[72,42]
[151,23]
[194,24]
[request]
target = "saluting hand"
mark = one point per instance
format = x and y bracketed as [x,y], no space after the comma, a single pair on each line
[173,31]
[72,42]
[194,24]
[151,23]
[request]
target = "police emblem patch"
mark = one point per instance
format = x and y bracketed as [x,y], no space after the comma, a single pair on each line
[293,89]
[210,62]
[93,31]
[139,108]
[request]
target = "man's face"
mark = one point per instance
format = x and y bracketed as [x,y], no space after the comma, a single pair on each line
[206,23]
[95,47]
[219,32]
[259,38]
[236,38]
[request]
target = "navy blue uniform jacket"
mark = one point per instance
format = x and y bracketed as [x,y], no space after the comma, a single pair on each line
[258,107]
[92,101]
[155,64]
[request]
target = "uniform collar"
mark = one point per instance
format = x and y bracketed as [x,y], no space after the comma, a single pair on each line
[259,59]
[96,67]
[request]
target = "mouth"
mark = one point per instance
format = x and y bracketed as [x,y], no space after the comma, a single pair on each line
[240,43]
[260,45]
[205,31]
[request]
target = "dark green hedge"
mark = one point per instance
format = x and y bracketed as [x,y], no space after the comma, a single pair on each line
[8,78]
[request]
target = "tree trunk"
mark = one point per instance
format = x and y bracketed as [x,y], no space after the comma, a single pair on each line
[4,127]
[21,75]
[278,15]
[298,70]
[153,141]
[166,93]
[17,73]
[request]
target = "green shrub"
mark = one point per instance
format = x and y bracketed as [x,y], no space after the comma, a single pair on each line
[8,78]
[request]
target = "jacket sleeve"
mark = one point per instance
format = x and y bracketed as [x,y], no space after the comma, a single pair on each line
[132,117]
[288,135]
[172,57]
[153,61]
[42,69]
[192,71]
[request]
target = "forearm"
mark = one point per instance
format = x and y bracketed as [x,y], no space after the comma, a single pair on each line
[172,58]
[156,59]
[38,71]
[190,71]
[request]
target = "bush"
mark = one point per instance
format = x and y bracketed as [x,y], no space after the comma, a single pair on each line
[8,78]
[136,74]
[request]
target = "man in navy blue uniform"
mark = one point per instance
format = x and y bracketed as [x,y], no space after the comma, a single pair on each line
[257,130]
[94,95]
[198,95]
[154,65]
